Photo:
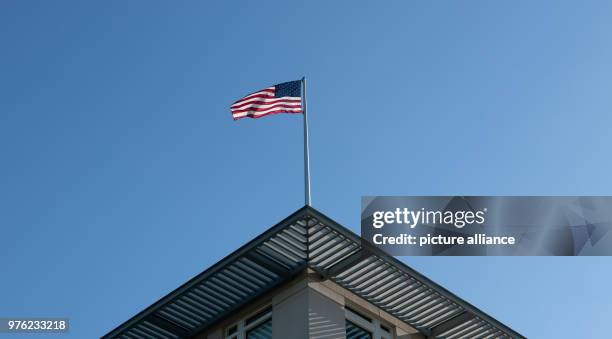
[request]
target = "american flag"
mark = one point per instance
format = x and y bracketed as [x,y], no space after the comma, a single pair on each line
[281,98]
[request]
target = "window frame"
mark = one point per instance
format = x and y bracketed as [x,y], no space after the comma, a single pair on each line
[359,327]
[369,324]
[262,315]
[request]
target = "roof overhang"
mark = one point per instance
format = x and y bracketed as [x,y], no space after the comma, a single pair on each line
[309,239]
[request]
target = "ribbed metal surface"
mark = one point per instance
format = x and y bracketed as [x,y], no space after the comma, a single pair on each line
[398,293]
[230,286]
[309,239]
[146,329]
[390,288]
[327,246]
[473,329]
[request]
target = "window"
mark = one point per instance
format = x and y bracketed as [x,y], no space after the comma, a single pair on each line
[355,332]
[261,331]
[256,326]
[359,326]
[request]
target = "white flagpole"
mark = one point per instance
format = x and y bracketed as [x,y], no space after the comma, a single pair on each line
[306,153]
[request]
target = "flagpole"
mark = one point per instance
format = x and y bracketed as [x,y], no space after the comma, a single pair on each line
[306,151]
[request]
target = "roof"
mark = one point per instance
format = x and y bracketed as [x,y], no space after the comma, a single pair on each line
[309,239]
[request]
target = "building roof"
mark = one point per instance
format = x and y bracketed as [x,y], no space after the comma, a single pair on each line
[309,239]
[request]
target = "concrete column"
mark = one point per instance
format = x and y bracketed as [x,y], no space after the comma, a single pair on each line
[301,312]
[290,315]
[326,318]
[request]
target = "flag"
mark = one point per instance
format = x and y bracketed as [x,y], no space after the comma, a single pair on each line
[281,98]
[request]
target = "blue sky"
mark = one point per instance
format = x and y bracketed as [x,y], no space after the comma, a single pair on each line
[123,175]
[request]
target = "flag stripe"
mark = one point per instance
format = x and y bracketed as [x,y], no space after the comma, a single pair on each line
[262,93]
[261,105]
[267,108]
[268,90]
[253,98]
[258,111]
[259,115]
[253,112]
[260,102]
[257,101]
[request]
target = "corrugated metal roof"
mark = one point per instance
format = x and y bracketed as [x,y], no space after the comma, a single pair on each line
[309,239]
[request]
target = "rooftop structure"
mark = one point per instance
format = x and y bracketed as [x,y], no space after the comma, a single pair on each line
[309,277]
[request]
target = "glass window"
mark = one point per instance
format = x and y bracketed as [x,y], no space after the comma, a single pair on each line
[256,326]
[261,331]
[355,332]
[232,330]
[360,326]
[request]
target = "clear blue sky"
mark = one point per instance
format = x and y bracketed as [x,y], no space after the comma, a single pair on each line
[123,175]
